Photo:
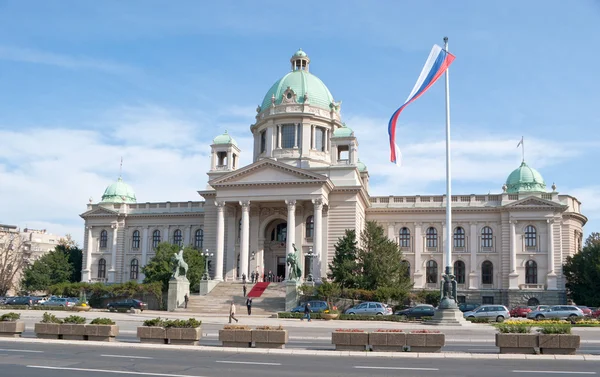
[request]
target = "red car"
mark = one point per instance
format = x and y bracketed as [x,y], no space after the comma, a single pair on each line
[587,312]
[520,311]
[596,313]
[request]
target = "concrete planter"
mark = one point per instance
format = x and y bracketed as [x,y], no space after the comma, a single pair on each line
[47,330]
[350,341]
[329,316]
[387,341]
[559,344]
[81,308]
[184,336]
[11,329]
[70,331]
[269,338]
[517,343]
[425,342]
[101,333]
[156,335]
[241,338]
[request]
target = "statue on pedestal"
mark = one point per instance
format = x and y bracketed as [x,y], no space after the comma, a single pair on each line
[292,261]
[179,264]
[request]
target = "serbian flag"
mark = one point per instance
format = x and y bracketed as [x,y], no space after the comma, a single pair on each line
[437,63]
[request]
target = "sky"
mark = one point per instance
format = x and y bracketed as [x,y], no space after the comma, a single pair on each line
[84,84]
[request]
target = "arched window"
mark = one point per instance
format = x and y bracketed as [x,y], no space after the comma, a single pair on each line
[134,269]
[103,238]
[487,236]
[459,271]
[531,272]
[487,272]
[431,236]
[310,226]
[177,237]
[431,271]
[135,239]
[406,265]
[155,238]
[404,237]
[459,237]
[279,234]
[199,239]
[530,236]
[102,268]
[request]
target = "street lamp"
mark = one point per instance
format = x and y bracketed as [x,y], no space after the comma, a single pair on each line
[310,256]
[206,255]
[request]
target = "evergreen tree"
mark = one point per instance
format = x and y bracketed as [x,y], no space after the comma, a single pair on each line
[51,268]
[74,256]
[582,272]
[344,268]
[160,268]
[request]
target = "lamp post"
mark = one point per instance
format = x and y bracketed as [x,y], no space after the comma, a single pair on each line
[206,255]
[310,256]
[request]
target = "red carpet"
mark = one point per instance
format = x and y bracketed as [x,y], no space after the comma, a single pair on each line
[258,289]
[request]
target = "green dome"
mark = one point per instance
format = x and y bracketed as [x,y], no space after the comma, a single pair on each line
[119,192]
[343,132]
[361,166]
[525,179]
[225,138]
[300,54]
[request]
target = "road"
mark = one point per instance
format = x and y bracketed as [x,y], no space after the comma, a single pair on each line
[33,360]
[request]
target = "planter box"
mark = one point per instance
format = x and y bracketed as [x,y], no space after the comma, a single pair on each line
[11,329]
[81,308]
[425,342]
[101,333]
[517,343]
[186,336]
[236,338]
[156,335]
[47,330]
[350,341]
[72,332]
[559,344]
[329,316]
[387,341]
[270,338]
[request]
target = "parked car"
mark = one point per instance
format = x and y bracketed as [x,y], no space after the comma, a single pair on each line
[596,313]
[587,312]
[130,303]
[539,308]
[58,301]
[23,300]
[557,311]
[494,312]
[418,312]
[315,307]
[467,307]
[370,308]
[520,311]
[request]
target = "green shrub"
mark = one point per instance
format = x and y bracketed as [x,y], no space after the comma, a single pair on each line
[10,317]
[514,328]
[478,320]
[155,322]
[102,321]
[182,323]
[75,320]
[96,292]
[25,307]
[555,328]
[50,318]
[297,315]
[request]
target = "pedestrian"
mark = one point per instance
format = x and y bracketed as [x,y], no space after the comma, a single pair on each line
[186,298]
[249,305]
[244,289]
[244,278]
[306,312]
[252,277]
[232,312]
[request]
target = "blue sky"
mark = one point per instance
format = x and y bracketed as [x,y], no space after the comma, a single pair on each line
[84,83]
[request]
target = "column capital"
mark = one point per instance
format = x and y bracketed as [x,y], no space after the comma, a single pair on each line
[418,224]
[245,205]
[550,221]
[291,204]
[89,227]
[512,222]
[317,203]
[114,226]
[220,205]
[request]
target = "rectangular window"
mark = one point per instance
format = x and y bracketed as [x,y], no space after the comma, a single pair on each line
[263,141]
[288,132]
[319,139]
[487,300]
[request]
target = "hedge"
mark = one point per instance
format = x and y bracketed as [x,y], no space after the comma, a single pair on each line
[354,317]
[37,307]
[97,291]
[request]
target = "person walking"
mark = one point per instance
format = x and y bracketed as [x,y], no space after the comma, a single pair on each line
[186,298]
[306,312]
[244,278]
[232,312]
[244,289]
[249,305]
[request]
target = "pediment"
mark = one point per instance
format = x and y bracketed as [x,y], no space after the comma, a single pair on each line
[99,211]
[534,203]
[268,172]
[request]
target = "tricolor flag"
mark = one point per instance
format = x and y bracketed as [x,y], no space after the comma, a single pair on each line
[438,62]
[520,142]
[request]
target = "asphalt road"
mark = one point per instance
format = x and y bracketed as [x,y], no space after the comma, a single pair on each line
[33,360]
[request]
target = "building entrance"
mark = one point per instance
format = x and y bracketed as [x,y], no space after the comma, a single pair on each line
[280,268]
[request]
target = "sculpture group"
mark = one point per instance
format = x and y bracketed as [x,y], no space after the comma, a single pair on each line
[292,261]
[178,265]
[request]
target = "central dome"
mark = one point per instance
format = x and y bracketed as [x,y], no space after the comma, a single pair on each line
[119,192]
[525,179]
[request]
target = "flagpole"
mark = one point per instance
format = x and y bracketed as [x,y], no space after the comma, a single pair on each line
[448,176]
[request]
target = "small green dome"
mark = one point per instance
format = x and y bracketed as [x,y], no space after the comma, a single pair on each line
[300,54]
[343,132]
[225,138]
[361,166]
[525,179]
[119,192]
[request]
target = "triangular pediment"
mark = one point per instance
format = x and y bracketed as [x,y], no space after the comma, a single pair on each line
[99,211]
[534,203]
[268,171]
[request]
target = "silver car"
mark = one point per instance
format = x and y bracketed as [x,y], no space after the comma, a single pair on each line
[370,308]
[557,311]
[493,312]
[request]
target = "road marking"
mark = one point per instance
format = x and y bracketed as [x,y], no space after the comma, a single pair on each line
[551,372]
[129,357]
[111,371]
[245,362]
[394,368]
[28,351]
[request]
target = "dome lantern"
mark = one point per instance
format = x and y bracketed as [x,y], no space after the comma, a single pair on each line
[300,61]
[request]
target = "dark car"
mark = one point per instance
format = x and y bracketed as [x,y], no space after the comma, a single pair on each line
[467,307]
[130,303]
[24,300]
[418,312]
[315,307]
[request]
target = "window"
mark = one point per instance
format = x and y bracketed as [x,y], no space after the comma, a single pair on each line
[288,133]
[487,272]
[103,238]
[431,236]
[299,137]
[155,238]
[404,238]
[102,268]
[310,226]
[199,239]
[431,271]
[487,300]
[459,237]
[459,271]
[319,139]
[133,269]
[177,238]
[487,237]
[406,265]
[135,239]
[263,141]
[531,272]
[530,236]
[279,233]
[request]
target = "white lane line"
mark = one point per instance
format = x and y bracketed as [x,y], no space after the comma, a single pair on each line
[552,372]
[129,357]
[111,371]
[394,368]
[12,350]
[245,362]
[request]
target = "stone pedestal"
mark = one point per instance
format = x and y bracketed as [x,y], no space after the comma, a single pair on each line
[86,276]
[513,280]
[206,286]
[448,314]
[291,294]
[178,288]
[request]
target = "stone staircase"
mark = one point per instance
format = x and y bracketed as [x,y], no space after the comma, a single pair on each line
[217,301]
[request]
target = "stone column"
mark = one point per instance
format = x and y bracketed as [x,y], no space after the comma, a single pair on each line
[513,277]
[473,249]
[551,278]
[87,272]
[291,231]
[418,249]
[317,238]
[220,241]
[145,242]
[113,256]
[245,238]
[231,239]
[187,239]
[313,136]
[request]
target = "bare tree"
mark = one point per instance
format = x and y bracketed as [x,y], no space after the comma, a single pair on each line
[12,259]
